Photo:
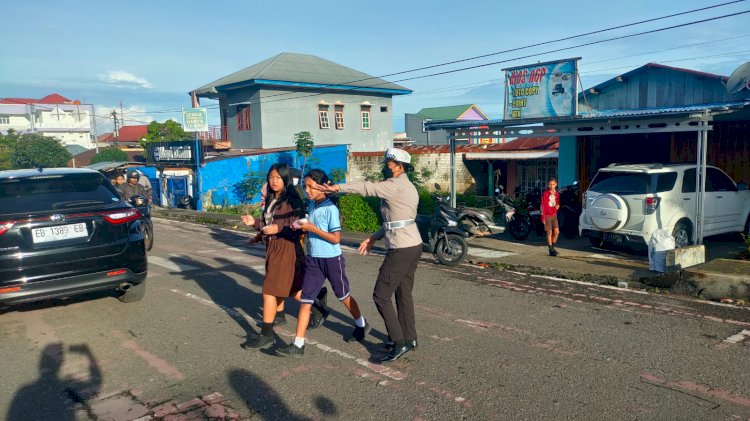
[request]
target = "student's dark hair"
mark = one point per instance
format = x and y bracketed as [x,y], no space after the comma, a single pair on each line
[319,176]
[288,192]
[552,179]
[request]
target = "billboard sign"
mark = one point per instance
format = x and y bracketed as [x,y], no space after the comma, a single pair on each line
[541,90]
[195,119]
[180,152]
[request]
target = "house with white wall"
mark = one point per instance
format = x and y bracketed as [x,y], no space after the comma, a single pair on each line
[54,115]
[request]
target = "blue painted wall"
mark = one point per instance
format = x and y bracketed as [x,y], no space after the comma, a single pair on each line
[567,161]
[219,177]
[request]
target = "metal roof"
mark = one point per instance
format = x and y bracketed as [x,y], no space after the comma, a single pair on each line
[301,70]
[596,115]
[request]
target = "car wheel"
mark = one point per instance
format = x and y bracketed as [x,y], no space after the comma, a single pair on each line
[596,242]
[681,234]
[133,294]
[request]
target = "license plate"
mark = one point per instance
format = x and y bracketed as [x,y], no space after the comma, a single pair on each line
[535,213]
[59,233]
[610,236]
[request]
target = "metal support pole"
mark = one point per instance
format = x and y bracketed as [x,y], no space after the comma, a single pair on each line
[704,154]
[452,140]
[698,194]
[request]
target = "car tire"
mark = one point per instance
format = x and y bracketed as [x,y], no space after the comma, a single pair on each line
[596,242]
[133,294]
[682,235]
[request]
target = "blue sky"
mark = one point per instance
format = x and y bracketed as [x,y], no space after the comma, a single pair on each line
[150,54]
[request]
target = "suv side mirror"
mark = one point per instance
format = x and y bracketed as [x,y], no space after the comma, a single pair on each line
[742,186]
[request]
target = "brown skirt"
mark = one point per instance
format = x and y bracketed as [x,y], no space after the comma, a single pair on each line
[284,268]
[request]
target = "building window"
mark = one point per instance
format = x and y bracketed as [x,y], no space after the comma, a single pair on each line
[365,115]
[383,109]
[339,115]
[243,118]
[4,120]
[323,117]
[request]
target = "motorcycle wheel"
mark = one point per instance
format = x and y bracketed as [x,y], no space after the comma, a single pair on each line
[451,250]
[473,228]
[519,229]
[148,236]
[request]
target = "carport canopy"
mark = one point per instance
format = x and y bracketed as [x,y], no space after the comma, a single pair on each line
[695,118]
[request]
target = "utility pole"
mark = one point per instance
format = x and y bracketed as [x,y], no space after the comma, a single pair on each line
[122,115]
[93,127]
[116,131]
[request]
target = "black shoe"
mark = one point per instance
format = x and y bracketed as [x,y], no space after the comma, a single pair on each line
[411,344]
[318,315]
[553,252]
[291,350]
[259,341]
[279,320]
[323,297]
[359,333]
[395,354]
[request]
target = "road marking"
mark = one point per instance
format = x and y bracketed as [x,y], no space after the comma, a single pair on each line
[235,314]
[489,254]
[170,265]
[735,339]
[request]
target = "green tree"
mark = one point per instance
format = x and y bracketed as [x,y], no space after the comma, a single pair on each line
[249,187]
[304,143]
[110,155]
[33,150]
[7,144]
[338,175]
[169,131]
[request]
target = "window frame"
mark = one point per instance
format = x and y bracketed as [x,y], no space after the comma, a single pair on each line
[4,120]
[324,123]
[365,110]
[383,108]
[338,117]
[243,118]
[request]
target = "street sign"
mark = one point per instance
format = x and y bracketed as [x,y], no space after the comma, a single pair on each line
[195,119]
[541,90]
[178,152]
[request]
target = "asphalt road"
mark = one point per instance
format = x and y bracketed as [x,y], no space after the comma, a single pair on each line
[493,345]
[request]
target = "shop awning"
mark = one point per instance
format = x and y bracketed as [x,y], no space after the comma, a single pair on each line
[510,156]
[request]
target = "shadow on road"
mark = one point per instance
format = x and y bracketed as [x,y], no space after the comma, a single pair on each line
[225,291]
[261,399]
[51,397]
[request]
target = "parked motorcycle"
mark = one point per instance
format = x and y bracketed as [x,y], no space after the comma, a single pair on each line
[476,222]
[517,222]
[140,203]
[441,235]
[570,210]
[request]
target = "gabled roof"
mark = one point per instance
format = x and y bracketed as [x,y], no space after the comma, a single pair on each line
[302,71]
[49,99]
[451,112]
[127,134]
[648,66]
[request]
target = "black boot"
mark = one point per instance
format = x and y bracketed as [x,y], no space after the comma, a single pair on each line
[265,338]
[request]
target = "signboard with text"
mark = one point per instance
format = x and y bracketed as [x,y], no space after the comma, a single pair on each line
[541,90]
[195,119]
[181,152]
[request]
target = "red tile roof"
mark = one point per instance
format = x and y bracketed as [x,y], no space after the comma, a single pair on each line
[84,158]
[49,99]
[127,134]
[520,144]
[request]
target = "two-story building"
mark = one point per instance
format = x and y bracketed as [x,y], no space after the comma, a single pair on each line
[264,105]
[415,123]
[54,115]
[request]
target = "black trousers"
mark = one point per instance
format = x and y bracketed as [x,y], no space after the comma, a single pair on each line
[396,276]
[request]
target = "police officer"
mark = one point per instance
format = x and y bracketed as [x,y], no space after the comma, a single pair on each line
[132,187]
[398,206]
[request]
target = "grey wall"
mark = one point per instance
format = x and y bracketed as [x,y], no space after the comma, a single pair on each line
[413,127]
[656,87]
[276,119]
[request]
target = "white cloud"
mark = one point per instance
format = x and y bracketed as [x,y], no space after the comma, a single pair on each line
[128,116]
[123,79]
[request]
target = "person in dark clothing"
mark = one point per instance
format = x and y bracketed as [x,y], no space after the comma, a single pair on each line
[132,187]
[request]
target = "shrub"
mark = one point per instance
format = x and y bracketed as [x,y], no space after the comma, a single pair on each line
[426,202]
[110,155]
[358,214]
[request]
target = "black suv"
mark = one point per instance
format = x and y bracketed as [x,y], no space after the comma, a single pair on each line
[65,232]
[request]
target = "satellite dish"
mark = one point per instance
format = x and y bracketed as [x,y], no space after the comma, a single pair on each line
[739,80]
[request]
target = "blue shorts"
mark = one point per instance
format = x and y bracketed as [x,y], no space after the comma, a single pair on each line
[317,269]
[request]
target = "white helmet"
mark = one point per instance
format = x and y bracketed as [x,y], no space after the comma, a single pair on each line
[400,156]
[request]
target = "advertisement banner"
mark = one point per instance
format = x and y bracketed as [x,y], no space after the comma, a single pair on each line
[541,90]
[178,152]
[195,119]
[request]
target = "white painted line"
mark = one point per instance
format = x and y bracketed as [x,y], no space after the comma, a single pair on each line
[258,268]
[233,313]
[734,339]
[170,265]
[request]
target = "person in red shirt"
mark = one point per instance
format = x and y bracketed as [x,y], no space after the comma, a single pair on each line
[550,205]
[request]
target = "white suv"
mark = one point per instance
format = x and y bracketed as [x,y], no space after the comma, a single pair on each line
[627,203]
